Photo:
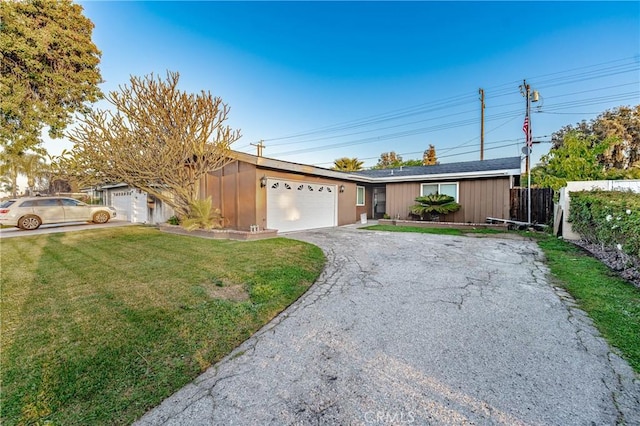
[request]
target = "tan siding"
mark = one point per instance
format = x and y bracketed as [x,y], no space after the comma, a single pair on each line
[480,198]
[400,197]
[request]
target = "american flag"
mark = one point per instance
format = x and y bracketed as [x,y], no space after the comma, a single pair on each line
[525,129]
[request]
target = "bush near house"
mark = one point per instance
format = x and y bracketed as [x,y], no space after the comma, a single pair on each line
[433,205]
[609,218]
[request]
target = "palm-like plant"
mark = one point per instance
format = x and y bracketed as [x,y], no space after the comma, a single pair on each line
[15,162]
[434,204]
[202,215]
[346,164]
[33,166]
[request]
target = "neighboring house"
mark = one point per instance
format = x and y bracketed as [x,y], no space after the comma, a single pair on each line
[134,205]
[275,194]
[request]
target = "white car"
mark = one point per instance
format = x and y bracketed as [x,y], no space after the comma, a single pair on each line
[31,212]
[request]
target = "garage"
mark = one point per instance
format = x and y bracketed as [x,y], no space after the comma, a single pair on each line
[294,205]
[130,204]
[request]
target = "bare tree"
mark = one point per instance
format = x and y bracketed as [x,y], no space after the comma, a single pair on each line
[159,139]
[388,160]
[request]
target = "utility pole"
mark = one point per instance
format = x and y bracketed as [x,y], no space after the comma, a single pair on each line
[259,146]
[481,124]
[525,89]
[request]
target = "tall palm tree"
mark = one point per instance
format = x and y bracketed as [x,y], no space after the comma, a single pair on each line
[14,162]
[346,164]
[10,160]
[33,166]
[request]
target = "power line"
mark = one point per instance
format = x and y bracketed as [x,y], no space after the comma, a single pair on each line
[460,123]
[462,99]
[357,127]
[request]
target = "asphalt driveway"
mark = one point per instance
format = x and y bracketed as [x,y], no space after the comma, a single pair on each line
[418,329]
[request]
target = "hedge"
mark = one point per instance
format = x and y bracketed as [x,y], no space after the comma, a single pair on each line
[609,218]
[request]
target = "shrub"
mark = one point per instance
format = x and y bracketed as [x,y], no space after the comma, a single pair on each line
[173,220]
[610,218]
[434,204]
[202,215]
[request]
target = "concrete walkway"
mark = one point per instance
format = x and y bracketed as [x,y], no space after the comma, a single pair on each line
[418,329]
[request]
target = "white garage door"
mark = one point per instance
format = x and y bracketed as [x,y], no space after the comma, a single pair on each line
[130,205]
[294,205]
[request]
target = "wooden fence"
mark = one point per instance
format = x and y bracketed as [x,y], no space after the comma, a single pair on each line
[541,205]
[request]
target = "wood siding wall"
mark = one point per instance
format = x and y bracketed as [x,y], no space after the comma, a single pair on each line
[480,198]
[235,190]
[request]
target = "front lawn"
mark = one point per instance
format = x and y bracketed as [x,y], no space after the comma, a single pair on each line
[99,326]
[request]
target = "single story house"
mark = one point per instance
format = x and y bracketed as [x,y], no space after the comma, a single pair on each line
[275,194]
[134,205]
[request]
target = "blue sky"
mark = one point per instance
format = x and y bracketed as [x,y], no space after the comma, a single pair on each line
[322,80]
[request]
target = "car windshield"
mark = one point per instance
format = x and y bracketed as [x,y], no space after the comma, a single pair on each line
[6,204]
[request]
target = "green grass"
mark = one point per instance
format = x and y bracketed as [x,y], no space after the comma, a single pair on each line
[425,230]
[612,303]
[99,326]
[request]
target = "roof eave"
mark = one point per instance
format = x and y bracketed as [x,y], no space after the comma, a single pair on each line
[440,176]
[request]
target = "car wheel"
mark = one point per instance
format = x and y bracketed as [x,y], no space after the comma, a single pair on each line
[29,222]
[101,217]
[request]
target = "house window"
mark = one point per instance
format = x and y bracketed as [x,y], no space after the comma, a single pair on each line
[450,189]
[359,195]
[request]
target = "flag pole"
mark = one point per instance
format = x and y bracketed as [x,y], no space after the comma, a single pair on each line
[529,143]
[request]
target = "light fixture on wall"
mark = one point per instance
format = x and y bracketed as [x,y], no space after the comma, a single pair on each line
[341,188]
[263,181]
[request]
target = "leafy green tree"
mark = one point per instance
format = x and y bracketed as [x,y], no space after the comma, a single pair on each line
[157,138]
[622,126]
[48,69]
[429,158]
[412,163]
[577,158]
[346,164]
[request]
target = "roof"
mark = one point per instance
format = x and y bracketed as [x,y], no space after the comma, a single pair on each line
[481,168]
[510,166]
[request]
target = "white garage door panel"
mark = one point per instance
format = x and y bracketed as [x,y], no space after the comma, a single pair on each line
[294,206]
[121,201]
[130,205]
